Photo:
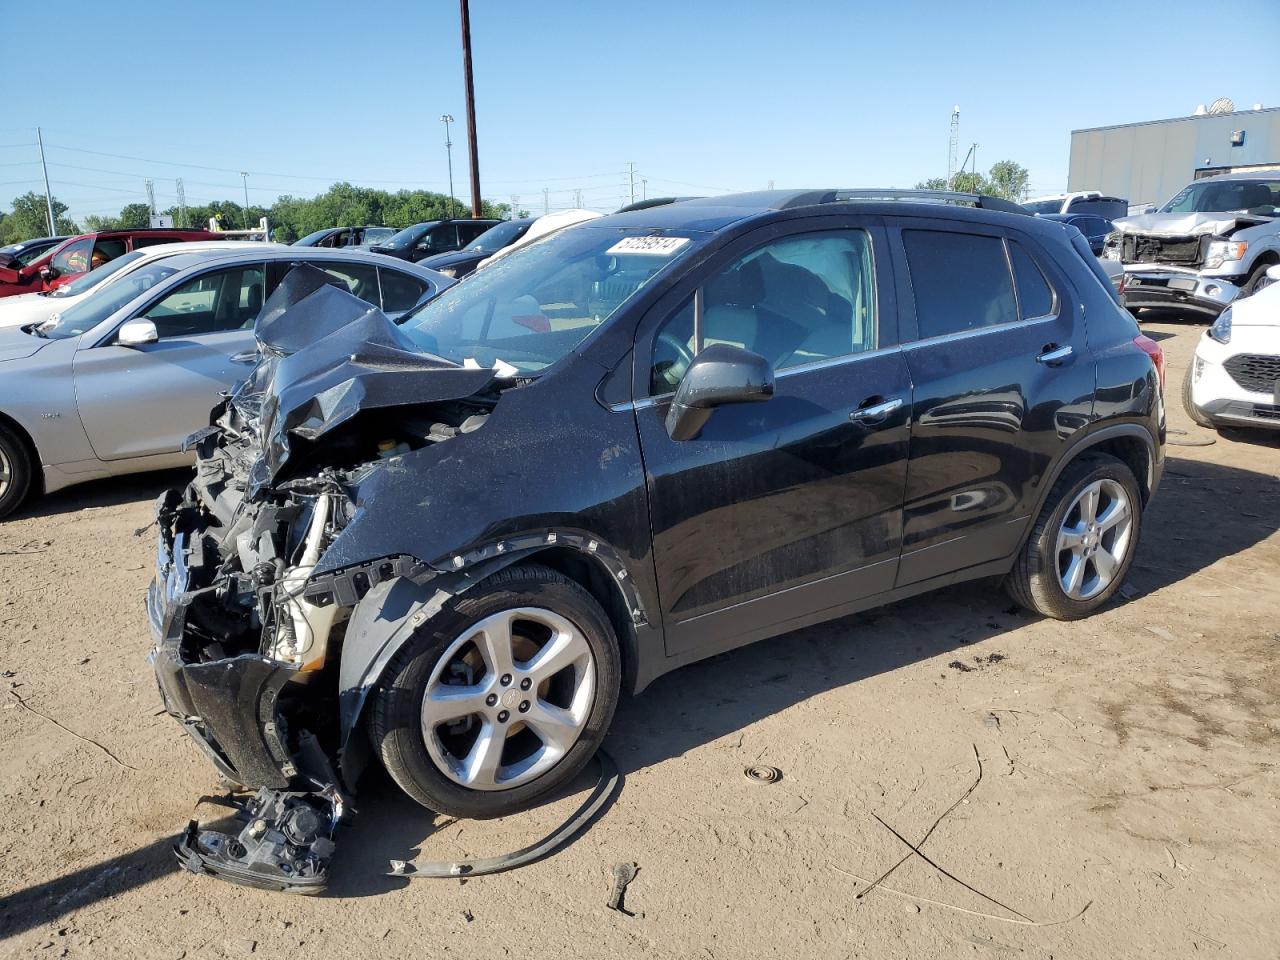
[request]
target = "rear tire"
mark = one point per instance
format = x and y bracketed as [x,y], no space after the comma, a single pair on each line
[15,471]
[1196,416]
[553,724]
[1040,578]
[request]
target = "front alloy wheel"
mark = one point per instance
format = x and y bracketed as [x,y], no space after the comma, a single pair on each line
[523,713]
[501,697]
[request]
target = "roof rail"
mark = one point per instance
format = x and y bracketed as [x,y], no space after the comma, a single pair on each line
[980,200]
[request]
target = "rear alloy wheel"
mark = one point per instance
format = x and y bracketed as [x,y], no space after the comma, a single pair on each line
[15,471]
[1083,542]
[502,697]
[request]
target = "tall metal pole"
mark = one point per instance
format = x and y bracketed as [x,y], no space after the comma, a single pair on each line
[446,119]
[48,194]
[182,203]
[546,200]
[631,170]
[471,108]
[244,176]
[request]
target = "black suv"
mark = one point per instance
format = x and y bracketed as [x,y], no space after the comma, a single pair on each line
[432,237]
[453,543]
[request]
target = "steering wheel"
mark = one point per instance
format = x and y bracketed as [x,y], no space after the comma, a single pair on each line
[673,372]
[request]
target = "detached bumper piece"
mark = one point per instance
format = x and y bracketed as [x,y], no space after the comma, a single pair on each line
[285,845]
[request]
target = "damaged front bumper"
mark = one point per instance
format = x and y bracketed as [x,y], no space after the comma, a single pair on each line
[1184,289]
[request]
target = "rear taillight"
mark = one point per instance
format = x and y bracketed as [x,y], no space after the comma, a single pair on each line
[1152,350]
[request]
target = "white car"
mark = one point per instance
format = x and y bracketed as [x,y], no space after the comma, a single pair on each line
[1234,378]
[38,307]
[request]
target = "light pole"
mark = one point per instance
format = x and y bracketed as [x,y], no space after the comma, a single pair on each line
[447,119]
[244,176]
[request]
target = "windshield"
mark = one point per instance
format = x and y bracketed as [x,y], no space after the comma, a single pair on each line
[1227,196]
[1053,205]
[406,238]
[311,239]
[532,307]
[96,276]
[92,310]
[504,234]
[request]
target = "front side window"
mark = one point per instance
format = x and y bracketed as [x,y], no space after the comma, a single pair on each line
[440,239]
[73,257]
[792,301]
[210,303]
[961,282]
[534,305]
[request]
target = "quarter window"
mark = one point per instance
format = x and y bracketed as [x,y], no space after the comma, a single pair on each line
[793,301]
[961,281]
[400,291]
[360,279]
[1035,296]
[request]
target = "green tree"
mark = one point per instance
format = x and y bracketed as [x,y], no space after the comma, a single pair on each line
[95,223]
[30,218]
[134,216]
[1008,179]
[933,183]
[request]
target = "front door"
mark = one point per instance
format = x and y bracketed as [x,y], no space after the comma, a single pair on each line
[996,348]
[779,510]
[141,401]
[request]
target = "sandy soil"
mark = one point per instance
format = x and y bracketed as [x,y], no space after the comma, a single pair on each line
[1130,765]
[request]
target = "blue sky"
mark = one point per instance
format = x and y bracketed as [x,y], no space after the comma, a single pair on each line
[704,96]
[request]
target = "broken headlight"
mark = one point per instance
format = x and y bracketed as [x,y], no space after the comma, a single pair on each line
[1220,251]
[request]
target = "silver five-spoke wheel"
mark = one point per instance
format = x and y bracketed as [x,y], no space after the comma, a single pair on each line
[1094,539]
[6,473]
[508,699]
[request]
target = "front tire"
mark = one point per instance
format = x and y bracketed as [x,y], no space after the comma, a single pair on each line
[1083,542]
[1198,418]
[502,697]
[15,471]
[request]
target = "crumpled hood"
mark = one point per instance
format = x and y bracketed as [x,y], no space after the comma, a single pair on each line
[327,355]
[16,345]
[1186,224]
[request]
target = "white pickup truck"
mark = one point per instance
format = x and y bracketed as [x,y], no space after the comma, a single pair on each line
[1209,245]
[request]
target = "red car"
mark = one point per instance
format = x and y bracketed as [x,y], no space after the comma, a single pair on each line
[81,254]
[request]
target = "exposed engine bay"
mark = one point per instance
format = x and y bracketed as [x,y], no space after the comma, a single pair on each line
[247,641]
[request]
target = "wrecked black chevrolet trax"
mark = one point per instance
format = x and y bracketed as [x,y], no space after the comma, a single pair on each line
[450,544]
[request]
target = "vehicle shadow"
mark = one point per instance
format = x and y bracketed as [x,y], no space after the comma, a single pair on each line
[1202,513]
[107,492]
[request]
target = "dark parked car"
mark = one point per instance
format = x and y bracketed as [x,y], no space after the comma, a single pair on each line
[346,237]
[1095,229]
[60,264]
[435,236]
[462,262]
[454,542]
[16,255]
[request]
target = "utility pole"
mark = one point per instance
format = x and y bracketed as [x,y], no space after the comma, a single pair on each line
[546,201]
[953,147]
[644,189]
[577,197]
[151,200]
[631,173]
[182,203]
[447,119]
[471,108]
[515,206]
[48,194]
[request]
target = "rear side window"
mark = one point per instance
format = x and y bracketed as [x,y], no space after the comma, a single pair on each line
[400,292]
[1035,296]
[961,282]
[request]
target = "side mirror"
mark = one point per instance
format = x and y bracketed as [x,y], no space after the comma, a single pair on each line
[1274,272]
[719,375]
[136,333]
[48,272]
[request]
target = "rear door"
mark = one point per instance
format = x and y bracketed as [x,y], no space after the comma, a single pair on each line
[779,510]
[1002,377]
[142,401]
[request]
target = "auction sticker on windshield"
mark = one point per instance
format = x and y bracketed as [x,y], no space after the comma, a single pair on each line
[649,245]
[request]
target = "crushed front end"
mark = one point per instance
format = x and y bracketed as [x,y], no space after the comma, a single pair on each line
[247,642]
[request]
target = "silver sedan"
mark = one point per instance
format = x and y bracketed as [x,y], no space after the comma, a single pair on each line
[115,383]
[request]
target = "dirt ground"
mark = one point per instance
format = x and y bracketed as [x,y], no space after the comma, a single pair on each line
[1129,768]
